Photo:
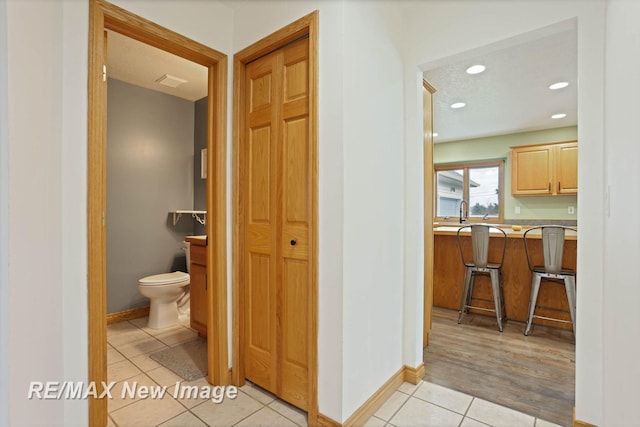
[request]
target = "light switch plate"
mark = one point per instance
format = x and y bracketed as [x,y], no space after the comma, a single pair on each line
[517,209]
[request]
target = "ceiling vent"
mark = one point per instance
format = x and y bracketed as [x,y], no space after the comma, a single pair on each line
[171,81]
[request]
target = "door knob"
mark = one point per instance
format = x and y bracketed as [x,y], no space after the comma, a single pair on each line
[293,242]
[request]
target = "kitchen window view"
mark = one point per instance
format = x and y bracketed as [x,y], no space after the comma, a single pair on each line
[479,184]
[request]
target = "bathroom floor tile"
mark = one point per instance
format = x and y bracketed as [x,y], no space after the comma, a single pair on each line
[122,370]
[268,418]
[290,412]
[227,413]
[374,422]
[164,376]
[177,336]
[445,397]
[470,422]
[186,419]
[498,416]
[114,356]
[258,393]
[416,412]
[142,346]
[188,400]
[391,406]
[122,336]
[147,412]
[543,423]
[144,362]
[121,396]
[409,388]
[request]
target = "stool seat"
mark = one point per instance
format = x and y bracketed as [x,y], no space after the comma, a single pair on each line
[480,238]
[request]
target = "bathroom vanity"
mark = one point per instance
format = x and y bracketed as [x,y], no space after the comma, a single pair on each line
[198,271]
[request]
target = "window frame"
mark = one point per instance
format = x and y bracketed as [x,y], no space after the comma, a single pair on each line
[465,166]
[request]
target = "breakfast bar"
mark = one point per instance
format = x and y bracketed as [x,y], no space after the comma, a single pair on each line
[449,273]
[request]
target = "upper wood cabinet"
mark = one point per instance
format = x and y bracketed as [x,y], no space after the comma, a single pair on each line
[545,170]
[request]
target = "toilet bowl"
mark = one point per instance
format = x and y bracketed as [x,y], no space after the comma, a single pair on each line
[164,291]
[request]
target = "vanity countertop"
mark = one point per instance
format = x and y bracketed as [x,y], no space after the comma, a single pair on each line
[197,240]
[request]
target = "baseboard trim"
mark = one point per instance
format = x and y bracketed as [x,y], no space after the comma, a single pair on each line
[133,313]
[414,375]
[578,423]
[324,421]
[377,399]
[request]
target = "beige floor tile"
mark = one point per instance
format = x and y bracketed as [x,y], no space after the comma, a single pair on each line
[164,376]
[266,417]
[120,400]
[258,393]
[177,336]
[391,406]
[296,415]
[186,419]
[142,346]
[142,324]
[113,356]
[122,370]
[123,336]
[110,422]
[470,422]
[144,362]
[147,412]
[416,412]
[445,397]
[187,398]
[498,416]
[543,423]
[374,422]
[228,412]
[409,388]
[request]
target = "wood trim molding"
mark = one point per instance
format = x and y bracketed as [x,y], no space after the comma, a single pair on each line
[106,16]
[307,25]
[324,421]
[377,399]
[132,313]
[578,423]
[414,375]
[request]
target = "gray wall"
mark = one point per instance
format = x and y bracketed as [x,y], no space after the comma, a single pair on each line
[199,142]
[150,144]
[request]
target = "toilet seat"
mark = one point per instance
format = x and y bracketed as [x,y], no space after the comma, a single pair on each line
[175,278]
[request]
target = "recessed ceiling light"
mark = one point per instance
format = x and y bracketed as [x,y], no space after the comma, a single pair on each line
[559,85]
[435,134]
[476,69]
[559,116]
[458,105]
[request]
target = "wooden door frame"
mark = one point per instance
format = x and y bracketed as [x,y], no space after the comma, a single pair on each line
[305,26]
[105,16]
[429,203]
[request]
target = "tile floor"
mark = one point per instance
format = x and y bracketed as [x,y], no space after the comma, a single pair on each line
[130,344]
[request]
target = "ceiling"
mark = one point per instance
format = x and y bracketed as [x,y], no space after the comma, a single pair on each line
[140,64]
[512,95]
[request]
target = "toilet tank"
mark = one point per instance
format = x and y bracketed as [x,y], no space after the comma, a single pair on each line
[187,250]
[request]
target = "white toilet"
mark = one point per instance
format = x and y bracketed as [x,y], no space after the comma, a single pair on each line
[164,291]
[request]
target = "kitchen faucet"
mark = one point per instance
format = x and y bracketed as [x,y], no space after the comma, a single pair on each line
[465,217]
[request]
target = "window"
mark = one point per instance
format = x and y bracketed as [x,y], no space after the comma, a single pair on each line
[478,183]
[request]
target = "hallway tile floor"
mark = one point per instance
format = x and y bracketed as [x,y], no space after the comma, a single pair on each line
[130,343]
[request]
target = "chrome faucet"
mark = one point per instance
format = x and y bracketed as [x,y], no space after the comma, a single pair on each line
[463,217]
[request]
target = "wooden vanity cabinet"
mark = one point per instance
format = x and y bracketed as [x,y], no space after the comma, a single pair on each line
[545,170]
[198,297]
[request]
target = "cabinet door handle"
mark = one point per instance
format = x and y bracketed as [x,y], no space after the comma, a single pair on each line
[549,187]
[558,186]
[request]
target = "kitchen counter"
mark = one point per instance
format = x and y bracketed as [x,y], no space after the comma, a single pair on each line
[449,272]
[452,230]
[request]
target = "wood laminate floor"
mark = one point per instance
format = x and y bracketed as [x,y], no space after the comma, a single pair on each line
[534,374]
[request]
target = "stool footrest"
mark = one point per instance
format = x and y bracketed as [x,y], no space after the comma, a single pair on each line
[480,308]
[552,319]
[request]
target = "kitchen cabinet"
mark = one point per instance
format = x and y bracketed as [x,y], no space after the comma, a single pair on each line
[545,170]
[198,294]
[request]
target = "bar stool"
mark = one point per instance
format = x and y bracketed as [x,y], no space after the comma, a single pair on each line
[552,248]
[480,264]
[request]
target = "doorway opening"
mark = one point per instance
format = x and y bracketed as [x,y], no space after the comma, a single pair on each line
[107,17]
[462,141]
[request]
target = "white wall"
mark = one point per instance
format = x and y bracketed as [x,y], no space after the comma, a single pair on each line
[254,20]
[622,244]
[373,199]
[437,30]
[4,223]
[35,207]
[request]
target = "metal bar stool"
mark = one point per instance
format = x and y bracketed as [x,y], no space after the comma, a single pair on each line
[552,248]
[480,264]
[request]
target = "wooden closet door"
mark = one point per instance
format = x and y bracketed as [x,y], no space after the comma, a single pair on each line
[277,266]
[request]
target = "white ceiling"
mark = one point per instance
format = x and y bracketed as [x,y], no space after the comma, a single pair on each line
[140,64]
[512,94]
